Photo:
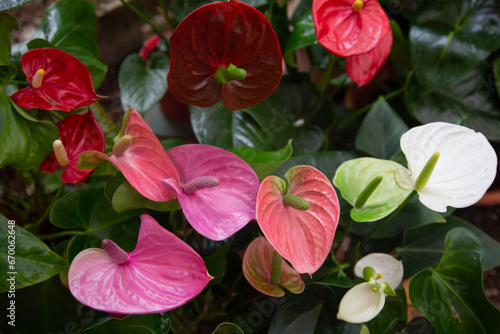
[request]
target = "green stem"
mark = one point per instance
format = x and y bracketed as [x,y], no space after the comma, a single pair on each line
[60,234]
[325,79]
[37,224]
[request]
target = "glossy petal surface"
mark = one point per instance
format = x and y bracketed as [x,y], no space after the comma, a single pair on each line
[257,266]
[220,34]
[217,212]
[66,84]
[344,32]
[382,263]
[464,171]
[360,304]
[162,273]
[304,238]
[78,133]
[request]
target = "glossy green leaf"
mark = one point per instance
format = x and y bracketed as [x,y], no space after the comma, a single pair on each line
[303,34]
[380,131]
[143,85]
[25,256]
[227,328]
[449,39]
[132,324]
[6,74]
[10,4]
[458,303]
[423,247]
[7,24]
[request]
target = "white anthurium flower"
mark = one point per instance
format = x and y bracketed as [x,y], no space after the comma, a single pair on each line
[364,302]
[448,165]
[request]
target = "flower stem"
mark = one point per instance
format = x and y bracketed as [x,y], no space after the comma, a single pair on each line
[325,79]
[60,234]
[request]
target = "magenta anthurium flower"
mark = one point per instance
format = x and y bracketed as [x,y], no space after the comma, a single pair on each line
[160,274]
[216,189]
[139,155]
[77,133]
[58,80]
[299,221]
[224,49]
[268,272]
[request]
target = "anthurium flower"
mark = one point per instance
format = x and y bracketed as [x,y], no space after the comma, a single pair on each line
[58,80]
[226,49]
[160,274]
[299,220]
[268,272]
[349,27]
[216,189]
[448,165]
[77,133]
[364,301]
[139,155]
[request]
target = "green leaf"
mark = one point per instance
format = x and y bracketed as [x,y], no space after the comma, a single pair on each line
[10,4]
[132,324]
[303,34]
[143,85]
[7,24]
[217,263]
[25,255]
[423,247]
[227,328]
[380,131]
[496,74]
[450,39]
[7,73]
[451,296]
[392,318]
[107,126]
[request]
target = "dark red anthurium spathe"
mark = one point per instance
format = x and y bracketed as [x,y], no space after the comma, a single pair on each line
[300,221]
[224,49]
[349,27]
[58,80]
[77,133]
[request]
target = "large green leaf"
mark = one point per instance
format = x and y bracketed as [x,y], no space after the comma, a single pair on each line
[7,24]
[423,247]
[132,324]
[25,255]
[451,296]
[143,85]
[303,34]
[451,38]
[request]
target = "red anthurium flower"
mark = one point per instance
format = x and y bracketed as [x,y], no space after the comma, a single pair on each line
[58,80]
[160,274]
[226,49]
[362,67]
[139,155]
[300,221]
[268,272]
[349,27]
[77,133]
[216,189]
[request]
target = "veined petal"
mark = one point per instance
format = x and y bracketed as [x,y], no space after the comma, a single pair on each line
[360,304]
[382,263]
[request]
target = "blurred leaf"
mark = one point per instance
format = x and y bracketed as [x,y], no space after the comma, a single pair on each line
[107,126]
[7,24]
[132,324]
[496,73]
[227,328]
[217,263]
[303,34]
[419,325]
[10,4]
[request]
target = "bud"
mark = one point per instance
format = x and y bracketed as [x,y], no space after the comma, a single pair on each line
[224,75]
[60,153]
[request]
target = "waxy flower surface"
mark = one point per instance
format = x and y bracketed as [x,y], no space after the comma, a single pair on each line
[349,27]
[77,133]
[216,189]
[448,165]
[224,49]
[58,80]
[300,219]
[160,274]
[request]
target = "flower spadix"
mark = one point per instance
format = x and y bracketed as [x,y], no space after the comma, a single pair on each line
[138,154]
[268,272]
[299,220]
[448,165]
[58,80]
[77,133]
[224,49]
[160,274]
[363,302]
[216,189]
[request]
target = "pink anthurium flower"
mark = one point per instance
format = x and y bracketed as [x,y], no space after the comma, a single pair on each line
[58,80]
[160,274]
[268,272]
[224,49]
[216,189]
[300,221]
[139,155]
[349,27]
[77,133]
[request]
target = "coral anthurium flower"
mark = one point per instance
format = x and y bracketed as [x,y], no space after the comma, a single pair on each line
[139,155]
[216,189]
[448,165]
[349,27]
[160,274]
[300,221]
[58,80]
[362,67]
[226,49]
[77,133]
[268,272]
